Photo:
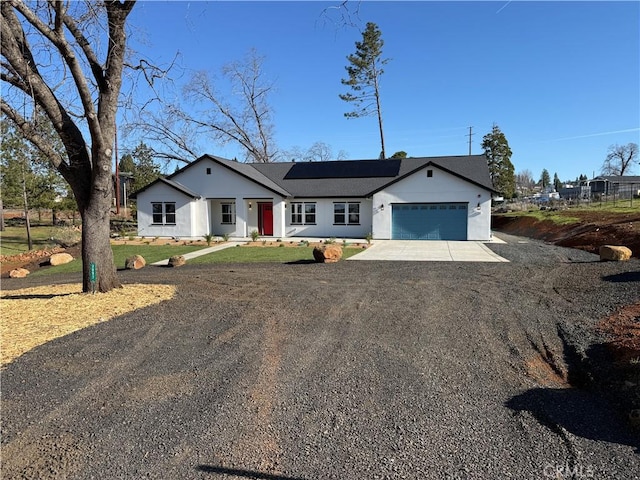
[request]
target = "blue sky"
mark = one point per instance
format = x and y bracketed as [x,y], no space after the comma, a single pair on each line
[561,79]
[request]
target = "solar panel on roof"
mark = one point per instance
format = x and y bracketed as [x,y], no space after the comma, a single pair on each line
[344,169]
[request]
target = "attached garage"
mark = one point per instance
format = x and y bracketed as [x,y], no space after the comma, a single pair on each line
[429,221]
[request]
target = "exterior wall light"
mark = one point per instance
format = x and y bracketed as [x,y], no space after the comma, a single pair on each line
[381,206]
[249,205]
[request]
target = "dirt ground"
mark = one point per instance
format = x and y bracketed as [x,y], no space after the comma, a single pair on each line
[350,370]
[594,230]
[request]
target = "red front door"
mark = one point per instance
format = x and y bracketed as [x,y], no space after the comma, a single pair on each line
[265,218]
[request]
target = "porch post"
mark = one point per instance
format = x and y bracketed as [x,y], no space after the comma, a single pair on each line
[241,217]
[279,217]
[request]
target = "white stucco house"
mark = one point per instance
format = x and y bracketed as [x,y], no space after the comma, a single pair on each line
[447,198]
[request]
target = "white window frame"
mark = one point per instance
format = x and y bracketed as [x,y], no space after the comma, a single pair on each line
[167,211]
[350,213]
[303,213]
[230,214]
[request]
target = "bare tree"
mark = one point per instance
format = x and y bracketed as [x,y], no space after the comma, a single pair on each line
[243,116]
[317,152]
[51,62]
[525,182]
[620,159]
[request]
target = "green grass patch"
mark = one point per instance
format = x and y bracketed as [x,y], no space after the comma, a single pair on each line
[13,240]
[151,253]
[263,254]
[556,217]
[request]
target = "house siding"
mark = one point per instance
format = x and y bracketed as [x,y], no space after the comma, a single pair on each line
[324,226]
[162,193]
[441,188]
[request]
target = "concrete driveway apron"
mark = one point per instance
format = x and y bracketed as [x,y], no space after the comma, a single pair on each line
[429,251]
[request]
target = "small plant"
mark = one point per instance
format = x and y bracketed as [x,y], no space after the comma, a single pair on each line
[281,245]
[254,235]
[208,238]
[225,237]
[155,239]
[264,242]
[278,239]
[147,242]
[143,238]
[122,233]
[368,238]
[330,241]
[132,238]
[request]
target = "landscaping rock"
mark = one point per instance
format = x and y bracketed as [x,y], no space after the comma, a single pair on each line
[327,253]
[60,259]
[135,262]
[19,273]
[177,261]
[615,253]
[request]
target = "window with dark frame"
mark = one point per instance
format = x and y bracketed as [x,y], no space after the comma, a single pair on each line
[429,173]
[170,213]
[208,170]
[163,213]
[156,209]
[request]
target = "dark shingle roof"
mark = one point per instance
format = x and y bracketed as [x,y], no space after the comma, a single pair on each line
[345,178]
[173,184]
[471,168]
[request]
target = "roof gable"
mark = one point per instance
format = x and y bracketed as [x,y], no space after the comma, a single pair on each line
[173,184]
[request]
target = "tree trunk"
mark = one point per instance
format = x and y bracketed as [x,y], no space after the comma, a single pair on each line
[26,209]
[96,246]
[1,216]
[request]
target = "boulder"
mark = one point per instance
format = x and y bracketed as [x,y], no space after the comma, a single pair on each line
[177,260]
[19,273]
[614,253]
[135,262]
[60,259]
[327,253]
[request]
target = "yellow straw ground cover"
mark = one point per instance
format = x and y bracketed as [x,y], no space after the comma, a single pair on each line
[33,316]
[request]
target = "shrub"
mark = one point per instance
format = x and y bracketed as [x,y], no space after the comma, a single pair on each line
[368,238]
[67,236]
[254,235]
[225,237]
[208,238]
[330,241]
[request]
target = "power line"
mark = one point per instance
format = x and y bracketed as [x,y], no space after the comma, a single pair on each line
[470,134]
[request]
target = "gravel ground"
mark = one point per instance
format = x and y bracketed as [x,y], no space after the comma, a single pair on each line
[346,371]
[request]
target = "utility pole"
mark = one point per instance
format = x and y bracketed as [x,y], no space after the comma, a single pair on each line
[470,134]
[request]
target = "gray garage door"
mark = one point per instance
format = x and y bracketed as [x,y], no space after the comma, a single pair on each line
[429,221]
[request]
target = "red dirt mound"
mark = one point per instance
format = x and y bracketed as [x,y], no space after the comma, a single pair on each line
[594,230]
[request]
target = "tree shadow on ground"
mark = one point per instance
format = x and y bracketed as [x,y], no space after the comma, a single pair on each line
[623,277]
[595,407]
[243,473]
[300,262]
[579,412]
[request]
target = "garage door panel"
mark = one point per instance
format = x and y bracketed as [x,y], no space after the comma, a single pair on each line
[429,221]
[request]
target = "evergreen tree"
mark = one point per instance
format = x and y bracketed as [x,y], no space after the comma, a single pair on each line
[364,71]
[557,184]
[545,179]
[496,148]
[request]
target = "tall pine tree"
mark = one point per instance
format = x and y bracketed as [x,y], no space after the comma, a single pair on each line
[498,153]
[364,70]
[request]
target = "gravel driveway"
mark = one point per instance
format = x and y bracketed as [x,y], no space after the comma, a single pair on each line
[356,370]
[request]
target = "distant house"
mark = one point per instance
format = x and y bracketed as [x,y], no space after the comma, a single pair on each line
[619,185]
[445,198]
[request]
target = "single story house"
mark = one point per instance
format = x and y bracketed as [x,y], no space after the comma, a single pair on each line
[445,198]
[624,186]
